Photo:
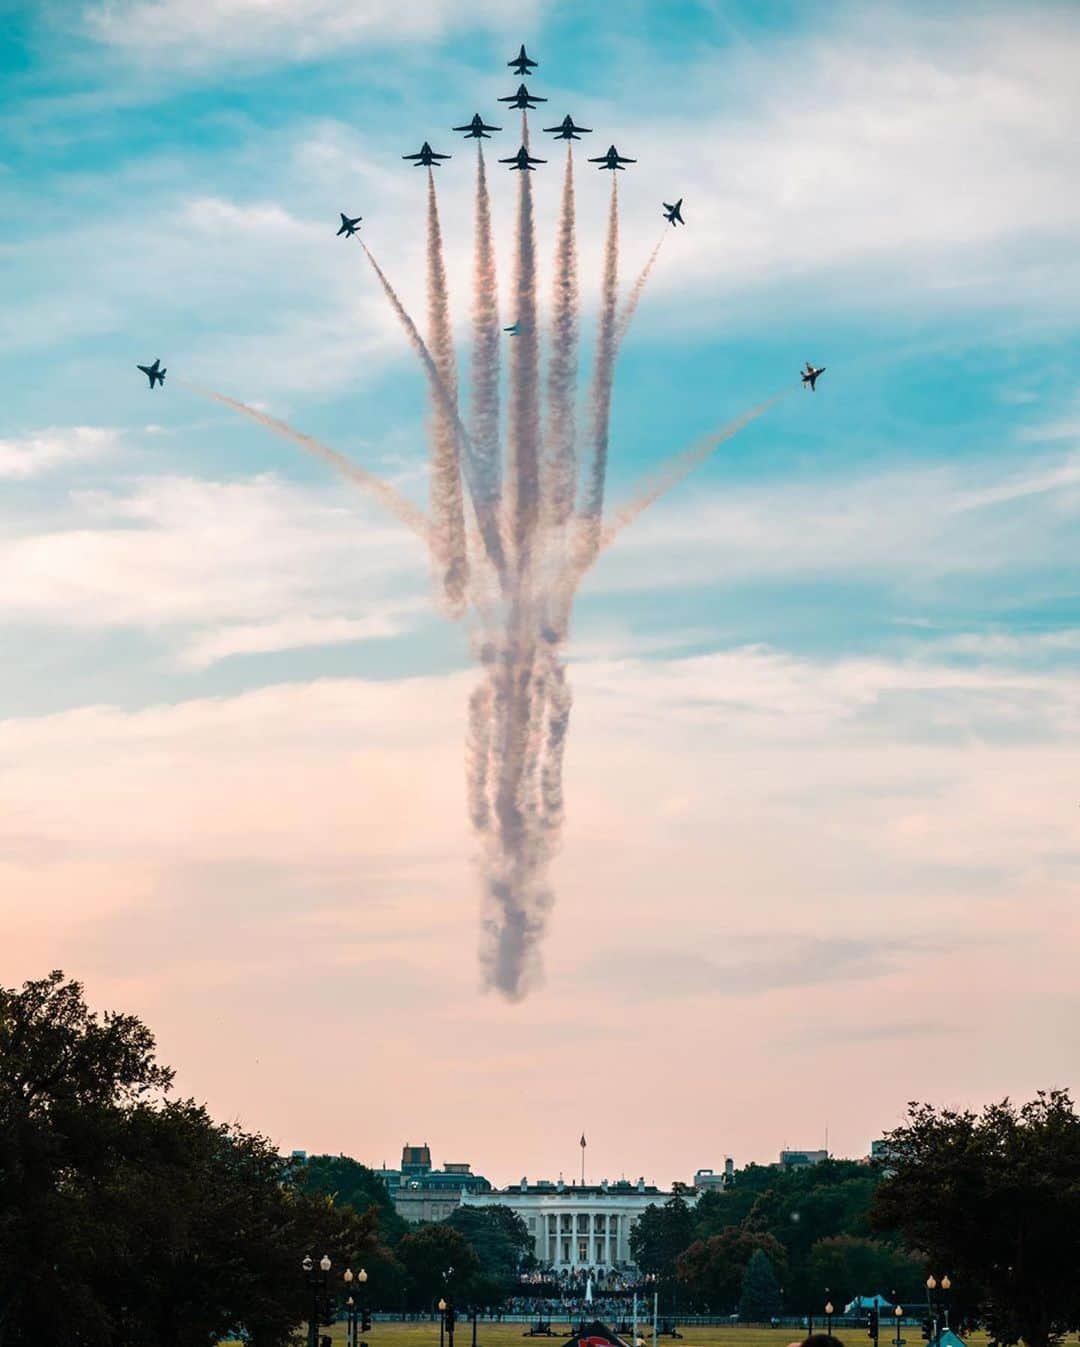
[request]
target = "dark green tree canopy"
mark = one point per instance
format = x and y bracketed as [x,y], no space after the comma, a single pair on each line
[127,1218]
[500,1240]
[439,1262]
[660,1235]
[712,1270]
[760,1298]
[994,1199]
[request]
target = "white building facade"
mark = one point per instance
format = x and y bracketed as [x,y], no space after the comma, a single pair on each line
[575,1228]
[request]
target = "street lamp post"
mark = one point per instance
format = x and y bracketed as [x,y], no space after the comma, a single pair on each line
[898,1314]
[828,1314]
[316,1277]
[442,1322]
[353,1306]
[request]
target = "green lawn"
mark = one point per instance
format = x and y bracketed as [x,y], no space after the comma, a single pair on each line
[510,1335]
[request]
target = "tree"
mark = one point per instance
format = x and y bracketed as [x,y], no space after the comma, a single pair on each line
[660,1234]
[440,1262]
[850,1267]
[994,1200]
[127,1218]
[711,1271]
[500,1240]
[760,1298]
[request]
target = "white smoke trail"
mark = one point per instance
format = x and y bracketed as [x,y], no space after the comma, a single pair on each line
[486,519]
[485,353]
[478,755]
[633,299]
[680,467]
[559,703]
[592,507]
[524,428]
[560,467]
[447,508]
[403,510]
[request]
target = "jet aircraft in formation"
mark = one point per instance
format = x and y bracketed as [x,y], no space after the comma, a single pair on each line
[612,159]
[477,129]
[673,214]
[566,130]
[523,160]
[348,227]
[810,375]
[154,372]
[521,64]
[522,99]
[425,156]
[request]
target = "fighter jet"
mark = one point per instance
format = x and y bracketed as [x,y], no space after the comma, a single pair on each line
[521,64]
[673,214]
[514,328]
[426,156]
[566,130]
[348,227]
[154,372]
[522,99]
[612,159]
[810,375]
[523,160]
[477,129]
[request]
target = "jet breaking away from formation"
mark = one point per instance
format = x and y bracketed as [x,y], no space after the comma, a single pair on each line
[612,159]
[523,160]
[477,129]
[154,372]
[348,227]
[522,99]
[810,375]
[566,130]
[425,157]
[673,214]
[513,329]
[522,64]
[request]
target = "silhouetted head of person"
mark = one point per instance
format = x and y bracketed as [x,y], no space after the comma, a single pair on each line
[821,1340]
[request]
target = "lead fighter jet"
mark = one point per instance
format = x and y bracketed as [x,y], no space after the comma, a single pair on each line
[477,129]
[612,159]
[348,227]
[673,214]
[522,99]
[521,64]
[566,130]
[426,156]
[523,160]
[810,375]
[153,372]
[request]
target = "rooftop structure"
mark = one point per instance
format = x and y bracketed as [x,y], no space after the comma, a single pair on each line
[802,1159]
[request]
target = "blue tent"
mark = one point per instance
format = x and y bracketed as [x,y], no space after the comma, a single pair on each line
[861,1304]
[947,1338]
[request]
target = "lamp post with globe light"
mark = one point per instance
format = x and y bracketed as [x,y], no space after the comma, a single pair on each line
[316,1275]
[829,1312]
[898,1314]
[358,1322]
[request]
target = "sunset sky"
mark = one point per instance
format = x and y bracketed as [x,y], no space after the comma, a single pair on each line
[822,845]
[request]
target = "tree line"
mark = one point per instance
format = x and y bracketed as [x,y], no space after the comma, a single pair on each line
[129,1216]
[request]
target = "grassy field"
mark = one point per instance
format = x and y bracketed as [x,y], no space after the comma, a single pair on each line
[510,1335]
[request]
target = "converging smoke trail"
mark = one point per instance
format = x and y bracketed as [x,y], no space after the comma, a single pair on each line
[524,428]
[560,466]
[680,467]
[560,701]
[485,517]
[485,354]
[634,297]
[592,508]
[478,755]
[447,507]
[404,510]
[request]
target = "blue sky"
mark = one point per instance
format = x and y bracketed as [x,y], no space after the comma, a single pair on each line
[880,570]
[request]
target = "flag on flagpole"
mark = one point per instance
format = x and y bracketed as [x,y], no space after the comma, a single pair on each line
[583,1140]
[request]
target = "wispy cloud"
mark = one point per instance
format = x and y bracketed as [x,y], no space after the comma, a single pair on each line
[62,447]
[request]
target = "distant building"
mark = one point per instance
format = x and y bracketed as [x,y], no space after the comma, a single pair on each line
[802,1159]
[707,1180]
[578,1228]
[421,1193]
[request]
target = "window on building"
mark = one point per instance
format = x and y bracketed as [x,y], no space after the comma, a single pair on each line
[566,1251]
[532,1222]
[583,1250]
[599,1250]
[582,1222]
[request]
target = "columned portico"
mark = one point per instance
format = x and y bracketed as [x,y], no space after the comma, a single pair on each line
[576,1229]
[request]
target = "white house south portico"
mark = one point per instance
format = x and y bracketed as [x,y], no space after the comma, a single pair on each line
[577,1227]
